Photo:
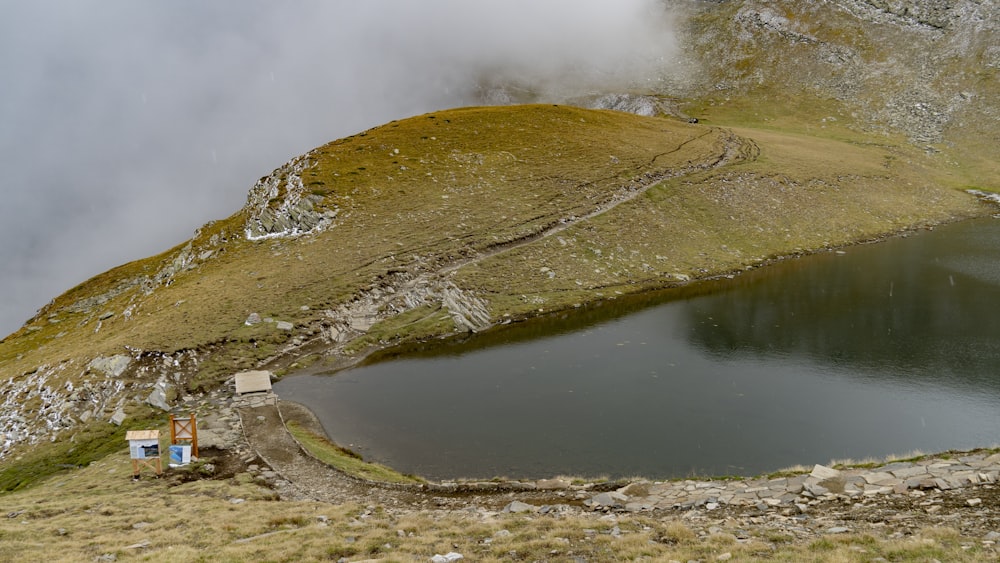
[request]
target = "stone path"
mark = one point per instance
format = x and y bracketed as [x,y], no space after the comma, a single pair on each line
[802,491]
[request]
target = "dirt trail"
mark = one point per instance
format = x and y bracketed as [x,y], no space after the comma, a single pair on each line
[309,478]
[430,284]
[974,510]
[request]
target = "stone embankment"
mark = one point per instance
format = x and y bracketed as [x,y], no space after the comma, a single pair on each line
[796,494]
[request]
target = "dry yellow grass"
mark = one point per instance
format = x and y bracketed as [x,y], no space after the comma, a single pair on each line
[98,511]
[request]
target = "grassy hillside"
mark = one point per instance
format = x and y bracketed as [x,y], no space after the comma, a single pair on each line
[451,222]
[820,124]
[410,196]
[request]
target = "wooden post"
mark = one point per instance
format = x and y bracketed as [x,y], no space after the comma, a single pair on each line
[152,463]
[184,430]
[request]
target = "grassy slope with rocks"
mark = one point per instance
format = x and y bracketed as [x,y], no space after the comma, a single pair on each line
[822,124]
[455,220]
[98,513]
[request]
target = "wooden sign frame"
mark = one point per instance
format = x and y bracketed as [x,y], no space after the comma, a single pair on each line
[185,431]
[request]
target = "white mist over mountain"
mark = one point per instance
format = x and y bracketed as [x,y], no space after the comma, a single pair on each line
[126,125]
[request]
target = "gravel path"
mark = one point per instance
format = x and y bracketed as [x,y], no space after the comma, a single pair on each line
[302,475]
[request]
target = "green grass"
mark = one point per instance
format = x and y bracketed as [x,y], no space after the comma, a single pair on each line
[416,324]
[792,198]
[88,443]
[344,459]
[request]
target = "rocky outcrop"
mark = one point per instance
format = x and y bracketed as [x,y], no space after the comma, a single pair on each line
[279,205]
[798,493]
[915,67]
[54,401]
[110,367]
[629,103]
[45,402]
[197,251]
[935,14]
[402,294]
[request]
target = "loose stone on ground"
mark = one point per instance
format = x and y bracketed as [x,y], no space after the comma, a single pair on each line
[798,492]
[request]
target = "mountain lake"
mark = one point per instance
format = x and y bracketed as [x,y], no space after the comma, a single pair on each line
[868,351]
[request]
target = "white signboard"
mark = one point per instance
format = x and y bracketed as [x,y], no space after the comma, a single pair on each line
[144,449]
[180,455]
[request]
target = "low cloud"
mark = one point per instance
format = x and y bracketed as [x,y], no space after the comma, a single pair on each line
[127,125]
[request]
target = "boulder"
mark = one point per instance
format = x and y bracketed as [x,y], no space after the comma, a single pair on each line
[823,473]
[518,507]
[158,398]
[118,417]
[110,367]
[552,484]
[610,500]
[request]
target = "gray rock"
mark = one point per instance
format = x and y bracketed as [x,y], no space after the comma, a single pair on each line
[815,490]
[909,472]
[110,367]
[253,319]
[118,417]
[611,500]
[294,214]
[879,478]
[285,325]
[158,398]
[518,507]
[552,484]
[823,473]
[896,466]
[447,558]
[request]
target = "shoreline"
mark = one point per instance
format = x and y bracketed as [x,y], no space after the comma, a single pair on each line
[889,499]
[328,359]
[304,416]
[387,353]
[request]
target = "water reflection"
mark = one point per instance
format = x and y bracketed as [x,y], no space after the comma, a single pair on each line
[884,349]
[923,307]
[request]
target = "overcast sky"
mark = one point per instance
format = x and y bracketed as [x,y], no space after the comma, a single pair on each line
[126,125]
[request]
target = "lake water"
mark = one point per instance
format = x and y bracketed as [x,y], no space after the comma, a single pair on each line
[882,349]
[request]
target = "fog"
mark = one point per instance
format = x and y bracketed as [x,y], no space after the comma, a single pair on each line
[126,125]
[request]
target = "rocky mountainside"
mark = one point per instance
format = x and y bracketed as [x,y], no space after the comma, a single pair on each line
[925,69]
[820,124]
